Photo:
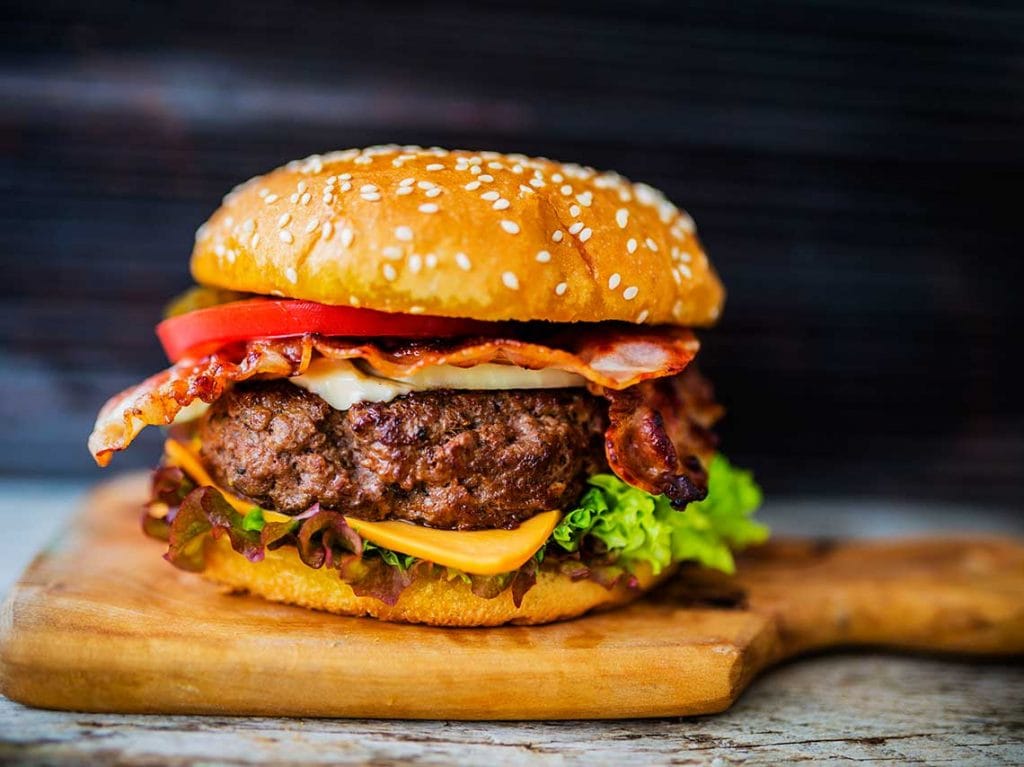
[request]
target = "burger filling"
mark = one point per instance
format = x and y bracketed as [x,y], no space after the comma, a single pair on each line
[460,460]
[585,452]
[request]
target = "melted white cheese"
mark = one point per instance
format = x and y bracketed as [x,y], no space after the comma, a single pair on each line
[341,384]
[190,412]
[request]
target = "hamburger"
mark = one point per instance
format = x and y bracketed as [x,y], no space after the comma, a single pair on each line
[444,387]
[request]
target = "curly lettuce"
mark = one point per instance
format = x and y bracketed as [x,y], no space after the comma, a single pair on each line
[638,527]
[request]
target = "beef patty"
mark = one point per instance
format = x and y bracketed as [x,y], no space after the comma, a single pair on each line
[447,459]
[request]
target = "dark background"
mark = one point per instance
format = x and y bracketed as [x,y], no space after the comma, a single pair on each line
[856,171]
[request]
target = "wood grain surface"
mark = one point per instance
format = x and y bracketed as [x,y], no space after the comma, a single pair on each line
[100,623]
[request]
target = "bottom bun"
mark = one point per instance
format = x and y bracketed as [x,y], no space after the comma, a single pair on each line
[282,577]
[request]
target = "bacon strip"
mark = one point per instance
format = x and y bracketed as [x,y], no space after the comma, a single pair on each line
[611,359]
[659,437]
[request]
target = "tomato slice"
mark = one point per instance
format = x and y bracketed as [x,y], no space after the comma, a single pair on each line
[203,331]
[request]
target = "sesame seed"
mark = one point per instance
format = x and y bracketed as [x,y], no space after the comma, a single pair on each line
[630,293]
[404,233]
[416,310]
[435,166]
[306,197]
[486,177]
[263,192]
[430,260]
[495,165]
[560,288]
[407,181]
[645,194]
[586,234]
[676,276]
[475,169]
[614,280]
[651,244]
[576,228]
[404,190]
[291,274]
[311,226]
[472,186]
[463,261]
[294,199]
[346,187]
[433,192]
[557,235]
[543,257]
[490,196]
[574,210]
[557,178]
[248,226]
[585,199]
[425,184]
[510,226]
[219,249]
[371,196]
[536,182]
[367,188]
[331,179]
[270,198]
[415,263]
[283,220]
[622,217]
[285,236]
[684,256]
[328,198]
[517,169]
[301,186]
[345,176]
[525,189]
[501,204]
[255,240]
[389,273]
[328,228]
[642,317]
[631,245]
[685,271]
[428,207]
[232,255]
[392,252]
[566,190]
[510,280]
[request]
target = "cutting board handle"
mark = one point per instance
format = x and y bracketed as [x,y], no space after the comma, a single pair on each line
[941,595]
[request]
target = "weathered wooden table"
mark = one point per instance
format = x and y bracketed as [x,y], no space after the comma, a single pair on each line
[862,707]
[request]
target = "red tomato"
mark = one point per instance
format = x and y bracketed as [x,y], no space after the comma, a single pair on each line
[203,331]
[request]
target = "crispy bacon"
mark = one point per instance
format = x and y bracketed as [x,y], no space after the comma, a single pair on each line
[659,421]
[614,359]
[659,437]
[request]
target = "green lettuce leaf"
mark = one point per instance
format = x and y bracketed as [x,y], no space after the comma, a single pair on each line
[640,527]
[393,558]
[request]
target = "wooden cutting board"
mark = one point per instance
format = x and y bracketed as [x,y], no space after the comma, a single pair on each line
[99,622]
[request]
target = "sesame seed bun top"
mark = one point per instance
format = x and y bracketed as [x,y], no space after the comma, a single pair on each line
[461,234]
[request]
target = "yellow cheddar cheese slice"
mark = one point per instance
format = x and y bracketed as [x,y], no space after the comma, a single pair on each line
[480,552]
